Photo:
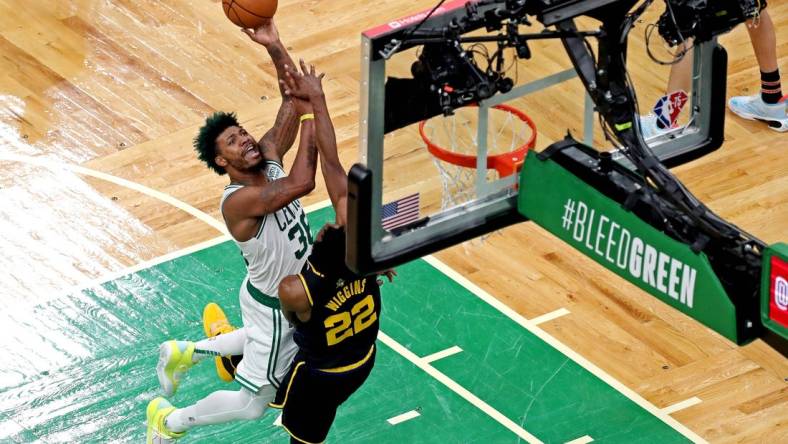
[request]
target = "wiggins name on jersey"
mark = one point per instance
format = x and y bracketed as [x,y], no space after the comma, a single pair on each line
[344,321]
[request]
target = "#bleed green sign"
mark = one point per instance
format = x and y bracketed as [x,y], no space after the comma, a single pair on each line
[601,229]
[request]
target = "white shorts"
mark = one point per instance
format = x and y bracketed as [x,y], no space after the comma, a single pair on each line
[269,348]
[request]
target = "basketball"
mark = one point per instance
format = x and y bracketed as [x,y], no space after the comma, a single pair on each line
[249,13]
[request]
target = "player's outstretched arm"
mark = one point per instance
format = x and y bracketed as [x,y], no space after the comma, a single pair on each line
[307,85]
[279,139]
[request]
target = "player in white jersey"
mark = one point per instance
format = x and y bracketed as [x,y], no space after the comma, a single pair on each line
[266,220]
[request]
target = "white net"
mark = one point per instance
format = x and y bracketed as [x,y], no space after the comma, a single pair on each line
[458,134]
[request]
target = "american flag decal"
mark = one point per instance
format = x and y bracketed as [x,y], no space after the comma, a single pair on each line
[400,212]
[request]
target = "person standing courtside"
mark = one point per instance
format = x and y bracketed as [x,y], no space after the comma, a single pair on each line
[766,106]
[263,215]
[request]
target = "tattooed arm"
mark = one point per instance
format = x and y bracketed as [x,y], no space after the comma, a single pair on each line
[279,139]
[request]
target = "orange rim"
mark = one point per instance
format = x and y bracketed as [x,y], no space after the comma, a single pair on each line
[505,164]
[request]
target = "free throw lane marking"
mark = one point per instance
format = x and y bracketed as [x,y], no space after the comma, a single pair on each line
[582,440]
[681,405]
[549,316]
[403,417]
[442,354]
[457,388]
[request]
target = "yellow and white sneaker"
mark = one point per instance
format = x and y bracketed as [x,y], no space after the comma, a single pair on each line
[214,323]
[157,433]
[175,357]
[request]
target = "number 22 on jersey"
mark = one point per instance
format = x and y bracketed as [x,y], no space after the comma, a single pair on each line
[347,323]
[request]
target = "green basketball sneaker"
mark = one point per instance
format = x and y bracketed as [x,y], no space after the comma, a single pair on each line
[157,412]
[175,357]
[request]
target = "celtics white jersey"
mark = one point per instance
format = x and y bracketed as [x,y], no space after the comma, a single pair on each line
[282,243]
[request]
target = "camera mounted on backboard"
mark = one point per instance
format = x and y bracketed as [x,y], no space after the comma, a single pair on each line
[449,71]
[704,19]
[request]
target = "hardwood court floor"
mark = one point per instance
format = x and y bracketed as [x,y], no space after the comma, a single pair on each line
[90,87]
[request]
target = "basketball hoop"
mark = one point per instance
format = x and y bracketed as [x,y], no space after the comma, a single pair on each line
[454,145]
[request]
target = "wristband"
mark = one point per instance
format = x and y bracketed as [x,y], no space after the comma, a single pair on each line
[307,117]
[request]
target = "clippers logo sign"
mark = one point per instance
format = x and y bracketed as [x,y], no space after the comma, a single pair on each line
[778,291]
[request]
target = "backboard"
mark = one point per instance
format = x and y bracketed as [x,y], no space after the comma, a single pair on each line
[394,161]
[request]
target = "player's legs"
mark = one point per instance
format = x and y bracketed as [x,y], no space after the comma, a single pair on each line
[177,357]
[764,106]
[764,41]
[167,423]
[309,398]
[269,346]
[220,407]
[215,323]
[679,79]
[307,404]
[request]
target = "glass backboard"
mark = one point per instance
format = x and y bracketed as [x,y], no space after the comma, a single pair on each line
[540,82]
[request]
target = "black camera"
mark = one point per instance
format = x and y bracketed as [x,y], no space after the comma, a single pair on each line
[704,19]
[450,71]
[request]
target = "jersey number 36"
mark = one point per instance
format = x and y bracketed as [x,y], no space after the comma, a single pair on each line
[361,316]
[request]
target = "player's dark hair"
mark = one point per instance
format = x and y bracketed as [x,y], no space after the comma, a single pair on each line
[329,252]
[205,141]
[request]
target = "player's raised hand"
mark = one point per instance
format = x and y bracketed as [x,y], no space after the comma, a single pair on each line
[304,84]
[265,34]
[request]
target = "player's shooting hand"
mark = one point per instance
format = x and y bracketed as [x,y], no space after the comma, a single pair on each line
[265,34]
[390,273]
[306,84]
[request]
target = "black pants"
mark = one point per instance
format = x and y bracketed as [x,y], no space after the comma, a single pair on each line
[309,398]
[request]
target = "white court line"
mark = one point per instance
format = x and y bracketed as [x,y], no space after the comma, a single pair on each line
[457,388]
[59,165]
[582,440]
[146,264]
[687,403]
[169,256]
[278,421]
[318,206]
[568,352]
[549,316]
[179,204]
[442,354]
[394,420]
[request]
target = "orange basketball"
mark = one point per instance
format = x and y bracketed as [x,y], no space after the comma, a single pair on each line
[249,13]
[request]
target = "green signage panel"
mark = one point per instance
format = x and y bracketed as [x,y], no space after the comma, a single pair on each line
[603,230]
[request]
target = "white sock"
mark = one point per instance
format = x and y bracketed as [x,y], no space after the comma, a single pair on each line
[225,344]
[220,407]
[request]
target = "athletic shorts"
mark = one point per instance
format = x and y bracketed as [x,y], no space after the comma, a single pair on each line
[269,348]
[310,397]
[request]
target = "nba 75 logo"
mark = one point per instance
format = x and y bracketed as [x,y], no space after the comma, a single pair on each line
[778,302]
[668,108]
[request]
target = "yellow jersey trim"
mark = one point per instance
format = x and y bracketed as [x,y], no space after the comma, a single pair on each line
[353,366]
[289,384]
[306,288]
[297,438]
[314,270]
